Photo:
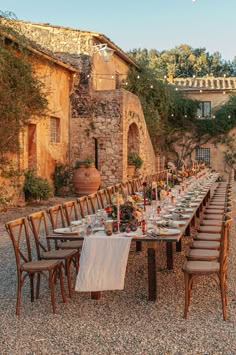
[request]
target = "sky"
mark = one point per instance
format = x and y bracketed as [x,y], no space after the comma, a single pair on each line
[151,24]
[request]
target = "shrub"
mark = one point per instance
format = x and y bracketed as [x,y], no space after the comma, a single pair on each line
[35,187]
[134,159]
[61,177]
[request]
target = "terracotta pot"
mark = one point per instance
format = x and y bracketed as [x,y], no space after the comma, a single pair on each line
[130,170]
[86,180]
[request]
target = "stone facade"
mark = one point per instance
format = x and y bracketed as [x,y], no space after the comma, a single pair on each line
[105,134]
[101,112]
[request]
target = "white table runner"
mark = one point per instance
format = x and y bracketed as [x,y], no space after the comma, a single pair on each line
[103,263]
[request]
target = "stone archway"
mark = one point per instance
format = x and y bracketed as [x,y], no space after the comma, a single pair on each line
[133,139]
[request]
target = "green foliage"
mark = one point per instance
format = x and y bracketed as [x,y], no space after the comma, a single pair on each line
[35,187]
[183,61]
[61,177]
[11,186]
[87,162]
[171,117]
[135,159]
[21,92]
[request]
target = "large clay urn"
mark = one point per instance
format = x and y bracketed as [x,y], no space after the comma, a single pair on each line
[86,180]
[130,171]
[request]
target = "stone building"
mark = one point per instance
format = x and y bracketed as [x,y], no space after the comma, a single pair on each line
[46,139]
[106,121]
[212,93]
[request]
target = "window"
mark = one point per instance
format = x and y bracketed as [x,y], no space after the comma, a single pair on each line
[204,110]
[203,154]
[54,130]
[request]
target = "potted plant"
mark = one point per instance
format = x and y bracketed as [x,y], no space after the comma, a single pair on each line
[134,162]
[86,178]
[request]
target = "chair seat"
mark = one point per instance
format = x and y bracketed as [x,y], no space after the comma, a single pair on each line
[205,244]
[217,203]
[210,229]
[203,254]
[211,222]
[217,217]
[201,266]
[40,265]
[213,211]
[74,244]
[208,236]
[59,254]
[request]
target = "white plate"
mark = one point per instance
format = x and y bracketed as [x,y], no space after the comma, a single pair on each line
[188,209]
[166,231]
[179,223]
[65,231]
[194,204]
[76,223]
[167,215]
[184,216]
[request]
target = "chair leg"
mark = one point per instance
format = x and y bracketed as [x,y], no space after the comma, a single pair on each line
[61,283]
[77,263]
[67,269]
[223,297]
[19,286]
[38,285]
[187,294]
[51,284]
[32,287]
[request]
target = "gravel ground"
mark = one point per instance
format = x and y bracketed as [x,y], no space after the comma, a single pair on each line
[122,322]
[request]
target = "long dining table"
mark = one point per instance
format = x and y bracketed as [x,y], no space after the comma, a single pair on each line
[153,242]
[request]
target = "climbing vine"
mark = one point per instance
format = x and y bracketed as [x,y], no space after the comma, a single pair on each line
[21,92]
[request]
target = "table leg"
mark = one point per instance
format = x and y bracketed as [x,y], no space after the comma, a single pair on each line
[198,213]
[138,246]
[169,255]
[187,231]
[179,246]
[152,282]
[96,295]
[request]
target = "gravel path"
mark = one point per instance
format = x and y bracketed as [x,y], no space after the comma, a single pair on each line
[122,322]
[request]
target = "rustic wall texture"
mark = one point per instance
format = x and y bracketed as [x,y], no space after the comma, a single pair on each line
[100,115]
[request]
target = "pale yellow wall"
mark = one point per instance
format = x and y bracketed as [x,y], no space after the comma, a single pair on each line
[103,73]
[57,81]
[217,99]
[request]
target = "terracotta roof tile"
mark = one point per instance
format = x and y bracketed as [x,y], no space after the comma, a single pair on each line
[206,83]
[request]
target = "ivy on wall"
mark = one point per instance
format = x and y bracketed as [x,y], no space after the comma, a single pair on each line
[172,119]
[21,92]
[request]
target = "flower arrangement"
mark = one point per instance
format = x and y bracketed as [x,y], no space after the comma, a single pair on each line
[136,198]
[128,210]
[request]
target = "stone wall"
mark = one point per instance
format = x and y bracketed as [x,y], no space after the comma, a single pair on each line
[100,115]
[112,113]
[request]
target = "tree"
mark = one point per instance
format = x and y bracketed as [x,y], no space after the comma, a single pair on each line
[183,61]
[21,92]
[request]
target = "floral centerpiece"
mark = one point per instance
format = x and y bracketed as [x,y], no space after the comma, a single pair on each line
[130,213]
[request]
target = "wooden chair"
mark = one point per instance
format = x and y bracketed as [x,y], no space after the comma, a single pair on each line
[110,193]
[39,225]
[27,267]
[57,219]
[83,206]
[104,199]
[215,269]
[56,216]
[71,211]
[93,203]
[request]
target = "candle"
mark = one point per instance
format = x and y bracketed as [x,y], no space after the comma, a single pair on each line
[167,179]
[118,212]
[144,196]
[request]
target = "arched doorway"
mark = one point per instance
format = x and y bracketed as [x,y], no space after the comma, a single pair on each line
[133,139]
